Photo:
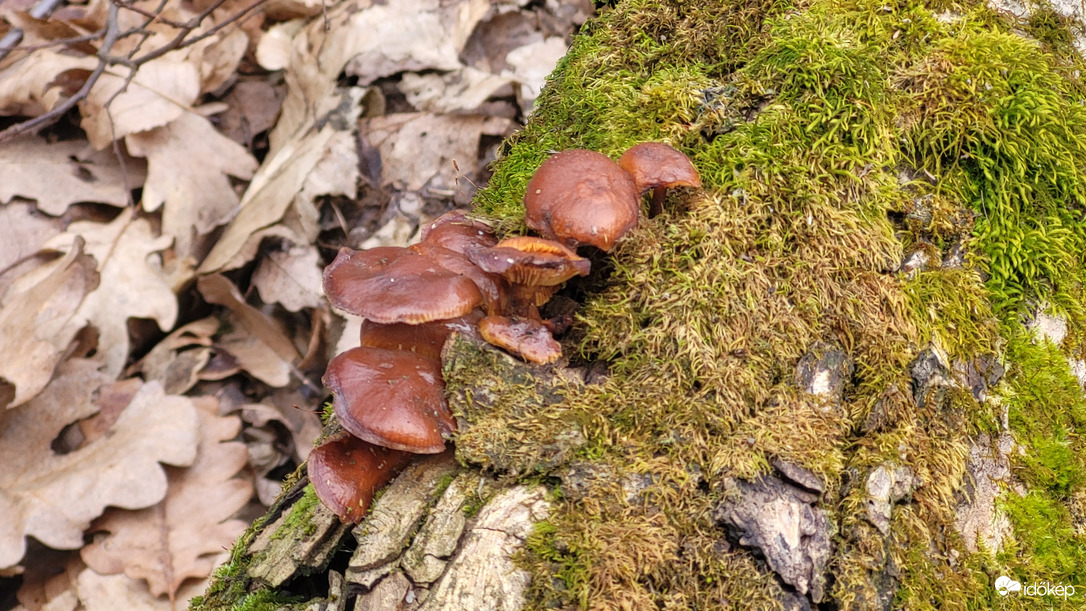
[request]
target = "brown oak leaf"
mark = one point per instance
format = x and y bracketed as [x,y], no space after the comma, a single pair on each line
[180,537]
[53,497]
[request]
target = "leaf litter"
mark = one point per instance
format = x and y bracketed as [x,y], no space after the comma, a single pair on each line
[162,324]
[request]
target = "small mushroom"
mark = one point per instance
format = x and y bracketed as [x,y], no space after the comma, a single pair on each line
[426,339]
[389,284]
[346,472]
[524,337]
[531,261]
[582,197]
[657,166]
[391,398]
[535,267]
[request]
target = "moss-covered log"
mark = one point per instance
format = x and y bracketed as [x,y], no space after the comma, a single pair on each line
[848,372]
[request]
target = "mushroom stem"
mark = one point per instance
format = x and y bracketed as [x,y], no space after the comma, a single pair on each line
[657,205]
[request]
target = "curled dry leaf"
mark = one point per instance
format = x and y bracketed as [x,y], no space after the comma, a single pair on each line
[57,174]
[260,341]
[176,361]
[180,537]
[53,497]
[39,319]
[189,164]
[132,282]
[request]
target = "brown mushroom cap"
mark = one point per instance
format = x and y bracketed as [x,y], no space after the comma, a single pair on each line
[582,197]
[526,338]
[531,261]
[391,398]
[455,231]
[655,164]
[492,287]
[426,339]
[346,471]
[390,284]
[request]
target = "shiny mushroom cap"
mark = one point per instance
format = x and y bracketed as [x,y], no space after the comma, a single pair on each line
[655,164]
[582,197]
[531,261]
[390,284]
[346,472]
[457,232]
[391,398]
[426,339]
[492,287]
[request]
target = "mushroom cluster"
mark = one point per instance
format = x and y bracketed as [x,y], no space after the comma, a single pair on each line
[388,394]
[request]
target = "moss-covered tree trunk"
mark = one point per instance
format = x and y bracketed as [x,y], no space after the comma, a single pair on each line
[848,373]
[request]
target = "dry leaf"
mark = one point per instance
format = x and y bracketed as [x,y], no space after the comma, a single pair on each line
[241,351]
[253,108]
[180,537]
[54,175]
[290,277]
[462,90]
[176,361]
[162,91]
[218,57]
[418,149]
[280,180]
[132,285]
[259,344]
[38,320]
[315,109]
[23,231]
[531,65]
[112,592]
[411,35]
[188,166]
[28,87]
[53,497]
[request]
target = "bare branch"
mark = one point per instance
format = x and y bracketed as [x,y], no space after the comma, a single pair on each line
[110,35]
[58,111]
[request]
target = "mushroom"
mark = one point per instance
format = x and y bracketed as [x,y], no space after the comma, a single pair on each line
[522,336]
[346,471]
[426,339]
[534,266]
[455,231]
[582,197]
[391,398]
[657,166]
[389,284]
[491,286]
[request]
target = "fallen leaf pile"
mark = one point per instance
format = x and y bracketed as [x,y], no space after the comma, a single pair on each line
[162,235]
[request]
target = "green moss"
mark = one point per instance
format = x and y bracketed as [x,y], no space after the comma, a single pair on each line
[832,141]
[300,516]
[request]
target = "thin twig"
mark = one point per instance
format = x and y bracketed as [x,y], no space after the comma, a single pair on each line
[58,111]
[106,59]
